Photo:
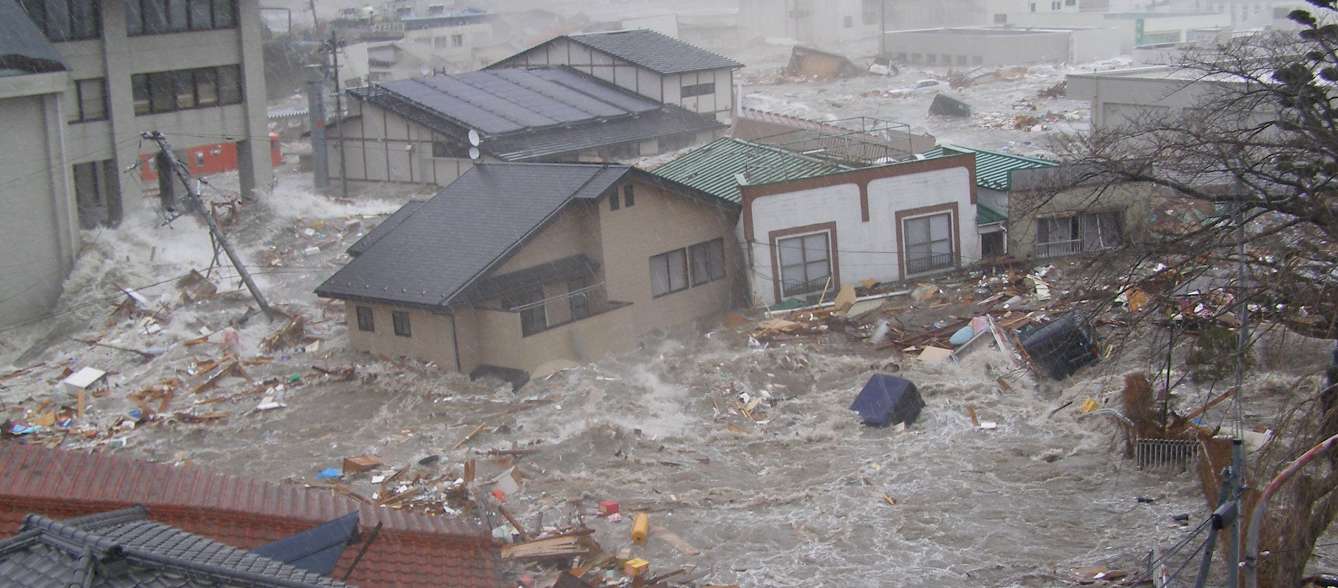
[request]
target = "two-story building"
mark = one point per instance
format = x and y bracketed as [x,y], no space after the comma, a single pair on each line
[651,64]
[190,69]
[514,265]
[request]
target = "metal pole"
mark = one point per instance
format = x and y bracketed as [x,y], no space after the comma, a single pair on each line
[1251,563]
[198,204]
[316,115]
[1237,493]
[339,113]
[882,30]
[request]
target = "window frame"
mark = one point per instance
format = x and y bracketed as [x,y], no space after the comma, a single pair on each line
[578,298]
[82,116]
[667,259]
[826,234]
[366,318]
[714,251]
[698,89]
[629,196]
[950,239]
[71,29]
[400,323]
[529,303]
[220,14]
[615,200]
[150,84]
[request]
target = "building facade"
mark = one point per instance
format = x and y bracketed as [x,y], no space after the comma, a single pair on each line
[192,70]
[646,62]
[39,226]
[565,262]
[996,46]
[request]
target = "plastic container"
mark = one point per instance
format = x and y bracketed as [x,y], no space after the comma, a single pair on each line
[640,528]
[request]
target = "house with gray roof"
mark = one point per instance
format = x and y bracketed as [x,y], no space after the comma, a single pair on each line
[430,130]
[123,549]
[515,265]
[649,63]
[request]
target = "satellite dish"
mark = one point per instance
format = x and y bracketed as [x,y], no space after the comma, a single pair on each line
[474,153]
[474,139]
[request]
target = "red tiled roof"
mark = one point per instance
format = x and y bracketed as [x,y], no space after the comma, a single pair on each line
[412,550]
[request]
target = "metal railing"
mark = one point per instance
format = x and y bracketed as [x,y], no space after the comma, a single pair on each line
[1059,248]
[929,263]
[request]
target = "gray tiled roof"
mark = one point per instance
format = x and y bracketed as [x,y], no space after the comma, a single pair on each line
[665,122]
[122,549]
[453,239]
[658,52]
[23,47]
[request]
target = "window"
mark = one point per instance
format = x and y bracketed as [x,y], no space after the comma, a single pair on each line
[698,90]
[186,89]
[806,264]
[86,193]
[579,298]
[928,243]
[669,273]
[448,149]
[931,58]
[91,100]
[1056,236]
[400,318]
[436,10]
[365,320]
[708,261]
[629,197]
[1000,18]
[961,60]
[439,43]
[849,21]
[65,20]
[614,202]
[977,60]
[1033,7]
[457,40]
[156,17]
[529,302]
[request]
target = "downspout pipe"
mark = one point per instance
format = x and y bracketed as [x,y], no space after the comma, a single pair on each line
[1251,562]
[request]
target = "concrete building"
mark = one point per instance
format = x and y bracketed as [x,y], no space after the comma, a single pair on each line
[1128,96]
[191,70]
[517,265]
[39,227]
[646,62]
[1136,28]
[996,46]
[810,225]
[431,130]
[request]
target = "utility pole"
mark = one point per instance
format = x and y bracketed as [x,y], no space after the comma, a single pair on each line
[333,46]
[315,22]
[197,204]
[320,151]
[882,30]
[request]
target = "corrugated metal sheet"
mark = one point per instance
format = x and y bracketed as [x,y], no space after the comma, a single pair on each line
[712,168]
[993,169]
[412,550]
[988,216]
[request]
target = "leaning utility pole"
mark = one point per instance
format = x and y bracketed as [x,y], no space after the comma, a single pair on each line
[176,168]
[332,47]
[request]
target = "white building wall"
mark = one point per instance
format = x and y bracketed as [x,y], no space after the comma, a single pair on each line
[864,250]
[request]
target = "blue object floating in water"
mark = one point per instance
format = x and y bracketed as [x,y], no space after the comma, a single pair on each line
[962,335]
[328,474]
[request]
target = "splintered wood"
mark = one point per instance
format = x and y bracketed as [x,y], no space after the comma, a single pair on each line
[291,334]
[568,545]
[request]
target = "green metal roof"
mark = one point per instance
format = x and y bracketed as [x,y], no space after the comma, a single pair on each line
[712,168]
[992,168]
[988,216]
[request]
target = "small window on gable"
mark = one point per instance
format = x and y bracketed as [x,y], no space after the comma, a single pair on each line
[365,321]
[614,201]
[629,196]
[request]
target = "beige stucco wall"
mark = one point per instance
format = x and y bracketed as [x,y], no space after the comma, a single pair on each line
[1134,201]
[430,336]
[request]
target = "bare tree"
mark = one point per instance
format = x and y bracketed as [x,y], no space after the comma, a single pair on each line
[1248,161]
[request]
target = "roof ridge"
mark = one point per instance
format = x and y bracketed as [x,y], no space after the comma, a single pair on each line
[966,149]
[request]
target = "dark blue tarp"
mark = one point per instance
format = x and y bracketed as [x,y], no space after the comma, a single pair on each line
[887,400]
[316,549]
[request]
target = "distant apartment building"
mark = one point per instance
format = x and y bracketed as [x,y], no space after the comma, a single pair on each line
[189,68]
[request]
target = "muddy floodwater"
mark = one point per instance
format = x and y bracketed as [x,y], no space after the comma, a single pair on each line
[800,495]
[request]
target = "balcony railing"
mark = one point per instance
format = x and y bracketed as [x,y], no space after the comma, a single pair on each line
[929,263]
[1059,248]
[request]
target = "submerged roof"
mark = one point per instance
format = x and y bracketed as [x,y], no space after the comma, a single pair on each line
[412,550]
[712,168]
[993,169]
[533,112]
[654,51]
[23,47]
[451,240]
[123,549]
